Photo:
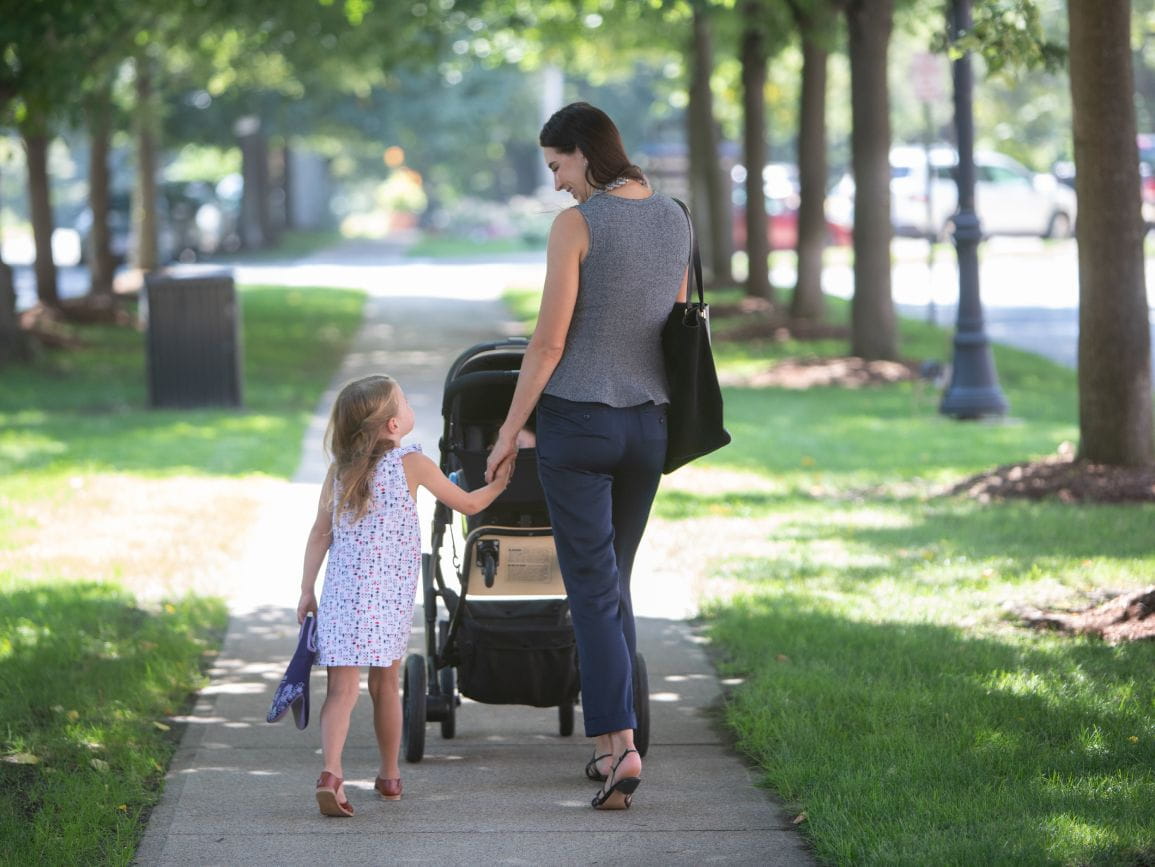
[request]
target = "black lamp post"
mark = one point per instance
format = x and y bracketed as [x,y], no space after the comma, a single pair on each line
[974,385]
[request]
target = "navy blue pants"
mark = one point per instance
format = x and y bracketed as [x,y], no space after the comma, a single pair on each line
[600,467]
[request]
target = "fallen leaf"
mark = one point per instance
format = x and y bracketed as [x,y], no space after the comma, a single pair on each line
[782,657]
[122,807]
[73,715]
[161,726]
[1133,739]
[800,818]
[22,759]
[99,764]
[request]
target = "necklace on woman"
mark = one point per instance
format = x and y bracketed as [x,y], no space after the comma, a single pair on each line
[615,183]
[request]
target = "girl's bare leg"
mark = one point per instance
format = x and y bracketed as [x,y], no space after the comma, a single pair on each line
[343,686]
[384,689]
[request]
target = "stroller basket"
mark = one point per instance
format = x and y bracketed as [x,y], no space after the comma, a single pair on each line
[518,653]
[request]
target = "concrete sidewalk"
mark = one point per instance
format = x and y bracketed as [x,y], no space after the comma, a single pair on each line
[507,789]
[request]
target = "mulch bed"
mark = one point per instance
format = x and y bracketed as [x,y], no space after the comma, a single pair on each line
[844,372]
[762,320]
[1123,617]
[49,326]
[1062,477]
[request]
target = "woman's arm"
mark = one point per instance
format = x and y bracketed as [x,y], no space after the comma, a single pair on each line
[421,471]
[568,243]
[315,549]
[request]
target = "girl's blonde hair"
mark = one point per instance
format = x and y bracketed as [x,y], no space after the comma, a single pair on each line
[356,439]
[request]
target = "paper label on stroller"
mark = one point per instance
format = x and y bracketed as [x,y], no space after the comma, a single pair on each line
[525,566]
[528,565]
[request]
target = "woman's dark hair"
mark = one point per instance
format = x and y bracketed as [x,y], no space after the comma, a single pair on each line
[580,125]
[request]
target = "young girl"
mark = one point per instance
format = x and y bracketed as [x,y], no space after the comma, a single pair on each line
[367,524]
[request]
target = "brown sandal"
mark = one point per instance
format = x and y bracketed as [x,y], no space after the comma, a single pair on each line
[390,790]
[328,784]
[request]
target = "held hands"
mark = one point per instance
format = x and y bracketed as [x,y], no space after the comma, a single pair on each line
[308,603]
[501,458]
[504,473]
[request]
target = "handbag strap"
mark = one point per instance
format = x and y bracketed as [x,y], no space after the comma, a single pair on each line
[695,258]
[309,628]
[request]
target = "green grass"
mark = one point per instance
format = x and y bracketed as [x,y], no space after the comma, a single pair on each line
[882,682]
[88,671]
[88,682]
[86,411]
[887,690]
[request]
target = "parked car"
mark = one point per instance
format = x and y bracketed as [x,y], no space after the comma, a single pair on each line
[192,221]
[780,186]
[1009,198]
[119,228]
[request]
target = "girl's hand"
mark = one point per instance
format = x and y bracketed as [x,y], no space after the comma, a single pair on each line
[505,473]
[308,603]
[504,451]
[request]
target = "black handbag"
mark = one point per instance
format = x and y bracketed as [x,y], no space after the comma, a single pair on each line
[694,417]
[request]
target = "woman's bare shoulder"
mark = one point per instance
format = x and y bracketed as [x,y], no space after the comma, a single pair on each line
[570,219]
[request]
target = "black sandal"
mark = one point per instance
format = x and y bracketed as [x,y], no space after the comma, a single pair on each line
[620,795]
[592,771]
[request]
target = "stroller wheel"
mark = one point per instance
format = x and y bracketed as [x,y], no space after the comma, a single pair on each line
[641,705]
[449,692]
[565,719]
[413,708]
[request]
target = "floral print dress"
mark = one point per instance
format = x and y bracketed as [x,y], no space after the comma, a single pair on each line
[366,607]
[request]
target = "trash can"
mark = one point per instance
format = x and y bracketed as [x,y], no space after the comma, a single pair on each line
[194,340]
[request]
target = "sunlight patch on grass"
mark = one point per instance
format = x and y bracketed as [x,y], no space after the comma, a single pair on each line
[155,537]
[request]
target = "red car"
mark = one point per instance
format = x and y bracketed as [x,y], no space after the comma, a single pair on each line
[780,185]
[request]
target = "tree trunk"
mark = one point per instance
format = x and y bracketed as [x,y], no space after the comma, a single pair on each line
[754,135]
[710,192]
[275,170]
[289,190]
[14,345]
[808,301]
[254,196]
[100,261]
[36,143]
[1115,422]
[144,204]
[13,341]
[874,332]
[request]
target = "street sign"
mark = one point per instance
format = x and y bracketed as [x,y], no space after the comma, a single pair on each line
[926,74]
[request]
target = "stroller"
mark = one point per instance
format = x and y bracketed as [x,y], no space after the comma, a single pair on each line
[504,636]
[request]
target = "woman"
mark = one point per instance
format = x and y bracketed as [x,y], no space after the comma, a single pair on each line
[615,265]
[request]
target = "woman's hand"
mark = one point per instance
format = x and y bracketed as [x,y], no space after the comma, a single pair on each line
[308,603]
[505,449]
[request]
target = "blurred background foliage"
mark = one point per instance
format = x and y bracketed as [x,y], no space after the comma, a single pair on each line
[461,87]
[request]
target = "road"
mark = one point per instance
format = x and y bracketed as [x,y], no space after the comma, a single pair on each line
[1030,289]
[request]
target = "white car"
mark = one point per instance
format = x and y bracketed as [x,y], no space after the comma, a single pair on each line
[1009,199]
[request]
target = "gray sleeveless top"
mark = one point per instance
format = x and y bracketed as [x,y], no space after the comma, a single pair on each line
[627,286]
